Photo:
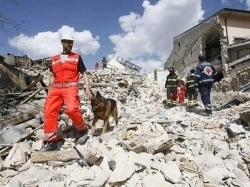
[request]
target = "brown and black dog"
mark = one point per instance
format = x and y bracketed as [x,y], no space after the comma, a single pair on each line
[103,108]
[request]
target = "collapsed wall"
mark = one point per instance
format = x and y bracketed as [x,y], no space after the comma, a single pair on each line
[234,82]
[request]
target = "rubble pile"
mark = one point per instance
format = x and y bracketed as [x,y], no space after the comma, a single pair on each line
[151,146]
[233,83]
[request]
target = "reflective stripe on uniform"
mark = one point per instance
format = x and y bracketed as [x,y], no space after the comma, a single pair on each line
[51,136]
[207,80]
[64,85]
[81,127]
[208,107]
[68,59]
[171,85]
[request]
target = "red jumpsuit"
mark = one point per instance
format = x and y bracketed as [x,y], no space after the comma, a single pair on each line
[64,90]
[96,66]
[181,93]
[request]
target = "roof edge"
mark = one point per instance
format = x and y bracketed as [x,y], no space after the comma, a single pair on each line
[216,13]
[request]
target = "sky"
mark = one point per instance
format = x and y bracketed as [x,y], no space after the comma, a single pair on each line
[140,31]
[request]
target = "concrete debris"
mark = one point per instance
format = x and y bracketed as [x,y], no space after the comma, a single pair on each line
[234,82]
[245,117]
[151,146]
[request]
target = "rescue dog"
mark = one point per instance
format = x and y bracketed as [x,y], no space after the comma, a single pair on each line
[103,108]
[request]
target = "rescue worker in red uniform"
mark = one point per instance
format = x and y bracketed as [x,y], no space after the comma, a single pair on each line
[96,65]
[171,85]
[63,89]
[181,92]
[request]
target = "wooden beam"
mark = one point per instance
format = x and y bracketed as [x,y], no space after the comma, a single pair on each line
[31,96]
[34,82]
[28,135]
[19,119]
[20,83]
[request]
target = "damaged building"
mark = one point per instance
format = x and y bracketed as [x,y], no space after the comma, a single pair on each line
[223,37]
[160,147]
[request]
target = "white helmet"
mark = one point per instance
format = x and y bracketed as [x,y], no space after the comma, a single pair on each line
[67,36]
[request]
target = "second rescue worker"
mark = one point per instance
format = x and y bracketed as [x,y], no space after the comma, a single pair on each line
[204,78]
[191,90]
[171,85]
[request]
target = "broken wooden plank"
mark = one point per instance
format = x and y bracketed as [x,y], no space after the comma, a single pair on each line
[34,82]
[4,150]
[245,157]
[42,85]
[16,94]
[31,96]
[63,155]
[20,83]
[182,168]
[19,119]
[29,134]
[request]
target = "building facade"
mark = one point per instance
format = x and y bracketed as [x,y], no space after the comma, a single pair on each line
[217,38]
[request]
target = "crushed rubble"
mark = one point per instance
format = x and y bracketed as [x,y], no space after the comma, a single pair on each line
[151,146]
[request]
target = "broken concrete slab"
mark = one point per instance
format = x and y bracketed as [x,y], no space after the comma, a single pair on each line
[33,175]
[156,180]
[132,146]
[16,133]
[63,155]
[235,129]
[171,172]
[122,172]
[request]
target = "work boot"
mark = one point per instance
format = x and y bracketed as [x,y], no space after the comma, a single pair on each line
[195,104]
[206,113]
[51,146]
[173,105]
[169,105]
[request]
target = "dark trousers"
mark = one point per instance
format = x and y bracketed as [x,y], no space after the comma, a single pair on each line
[171,96]
[205,91]
[192,95]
